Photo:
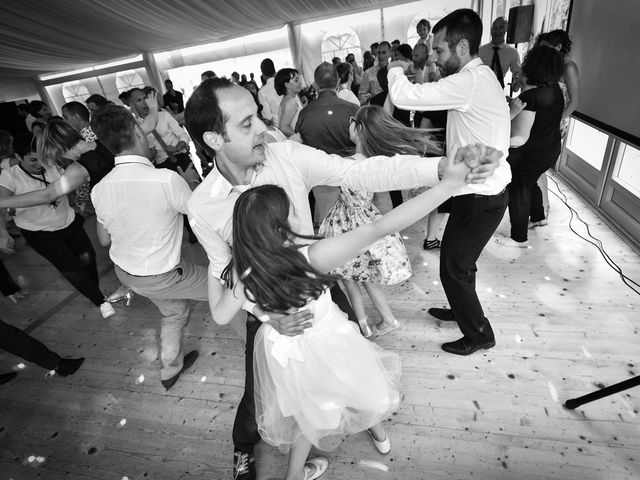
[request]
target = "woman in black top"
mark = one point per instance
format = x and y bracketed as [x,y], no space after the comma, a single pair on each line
[535,137]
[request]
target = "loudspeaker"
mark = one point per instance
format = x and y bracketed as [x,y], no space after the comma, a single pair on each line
[520,21]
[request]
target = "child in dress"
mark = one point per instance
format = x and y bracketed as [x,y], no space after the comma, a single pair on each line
[312,388]
[386,262]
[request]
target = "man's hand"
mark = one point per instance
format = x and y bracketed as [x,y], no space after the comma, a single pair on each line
[287,324]
[483,163]
[6,243]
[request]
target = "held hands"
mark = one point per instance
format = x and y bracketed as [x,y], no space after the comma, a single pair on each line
[290,325]
[479,163]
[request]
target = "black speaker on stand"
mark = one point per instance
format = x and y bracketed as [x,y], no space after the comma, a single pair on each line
[520,23]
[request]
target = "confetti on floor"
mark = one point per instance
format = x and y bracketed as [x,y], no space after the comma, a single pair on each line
[518,339]
[20,366]
[547,278]
[502,295]
[435,282]
[122,422]
[585,351]
[50,374]
[554,393]
[489,290]
[140,379]
[203,379]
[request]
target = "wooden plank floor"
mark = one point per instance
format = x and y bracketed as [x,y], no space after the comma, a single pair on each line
[565,324]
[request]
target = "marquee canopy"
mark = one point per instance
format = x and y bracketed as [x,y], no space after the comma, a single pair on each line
[39,37]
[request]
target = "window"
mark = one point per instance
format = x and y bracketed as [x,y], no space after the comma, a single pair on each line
[75,91]
[587,143]
[627,173]
[340,43]
[127,80]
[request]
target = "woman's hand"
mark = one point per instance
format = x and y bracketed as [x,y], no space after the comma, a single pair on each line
[515,107]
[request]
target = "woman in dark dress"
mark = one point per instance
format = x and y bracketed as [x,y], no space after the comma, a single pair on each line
[535,138]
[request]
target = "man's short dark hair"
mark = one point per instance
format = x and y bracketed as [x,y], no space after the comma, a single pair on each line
[343,70]
[76,108]
[405,50]
[326,76]
[384,43]
[267,68]
[208,74]
[98,99]
[124,96]
[203,113]
[396,41]
[373,45]
[115,126]
[167,82]
[424,22]
[461,24]
[35,106]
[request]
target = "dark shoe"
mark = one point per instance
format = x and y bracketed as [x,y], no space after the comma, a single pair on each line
[188,361]
[431,244]
[466,347]
[69,366]
[444,314]
[244,466]
[7,377]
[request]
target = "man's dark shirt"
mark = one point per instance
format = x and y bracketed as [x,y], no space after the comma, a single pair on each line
[324,124]
[174,101]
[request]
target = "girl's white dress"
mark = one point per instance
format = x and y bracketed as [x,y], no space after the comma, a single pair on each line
[325,383]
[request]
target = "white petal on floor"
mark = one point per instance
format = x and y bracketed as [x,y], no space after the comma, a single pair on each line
[50,374]
[502,295]
[518,339]
[489,289]
[373,464]
[435,282]
[140,379]
[122,422]
[585,351]
[547,278]
[203,379]
[554,393]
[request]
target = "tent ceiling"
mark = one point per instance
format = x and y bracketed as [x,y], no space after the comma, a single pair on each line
[48,36]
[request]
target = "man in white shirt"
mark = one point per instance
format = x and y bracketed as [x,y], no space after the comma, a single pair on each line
[169,139]
[139,213]
[267,95]
[499,56]
[223,118]
[477,112]
[370,87]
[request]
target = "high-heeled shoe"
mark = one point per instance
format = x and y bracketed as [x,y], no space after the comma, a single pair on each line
[122,293]
[365,328]
[16,297]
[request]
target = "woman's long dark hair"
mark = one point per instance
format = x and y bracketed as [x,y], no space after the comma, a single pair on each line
[275,274]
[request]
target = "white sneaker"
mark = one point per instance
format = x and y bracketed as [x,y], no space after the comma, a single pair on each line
[384,446]
[107,310]
[510,242]
[315,467]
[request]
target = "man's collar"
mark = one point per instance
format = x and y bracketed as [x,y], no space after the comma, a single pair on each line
[474,62]
[326,92]
[123,159]
[502,45]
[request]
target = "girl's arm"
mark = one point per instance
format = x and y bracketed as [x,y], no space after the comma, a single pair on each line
[74,176]
[521,128]
[329,253]
[572,80]
[229,303]
[288,108]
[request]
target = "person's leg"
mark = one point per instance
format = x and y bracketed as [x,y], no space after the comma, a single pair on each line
[79,243]
[17,342]
[297,459]
[355,299]
[434,221]
[245,428]
[54,248]
[340,299]
[472,222]
[519,205]
[377,296]
[544,191]
[7,285]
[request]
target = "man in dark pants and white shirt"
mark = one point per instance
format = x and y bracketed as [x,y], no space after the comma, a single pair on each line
[477,113]
[223,117]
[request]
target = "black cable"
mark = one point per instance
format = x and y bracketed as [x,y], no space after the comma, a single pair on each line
[596,242]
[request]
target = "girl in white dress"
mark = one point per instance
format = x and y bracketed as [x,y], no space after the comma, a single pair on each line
[288,83]
[312,388]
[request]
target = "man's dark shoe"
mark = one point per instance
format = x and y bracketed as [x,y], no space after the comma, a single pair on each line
[444,314]
[188,361]
[69,366]
[466,347]
[7,377]
[244,466]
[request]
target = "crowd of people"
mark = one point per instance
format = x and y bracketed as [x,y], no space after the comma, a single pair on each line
[284,211]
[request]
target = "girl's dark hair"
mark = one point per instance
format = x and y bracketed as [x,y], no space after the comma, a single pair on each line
[381,134]
[276,276]
[367,60]
[542,66]
[555,38]
[35,106]
[283,76]
[344,69]
[98,99]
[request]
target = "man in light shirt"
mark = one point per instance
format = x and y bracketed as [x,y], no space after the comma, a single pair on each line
[370,87]
[477,113]
[223,118]
[267,95]
[499,56]
[139,214]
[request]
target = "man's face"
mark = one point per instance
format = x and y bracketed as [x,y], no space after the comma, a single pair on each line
[384,54]
[44,112]
[498,30]
[448,62]
[419,56]
[169,85]
[351,59]
[245,143]
[72,119]
[423,31]
[138,101]
[374,51]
